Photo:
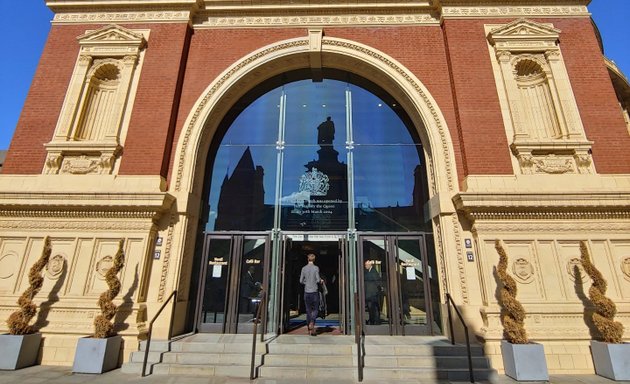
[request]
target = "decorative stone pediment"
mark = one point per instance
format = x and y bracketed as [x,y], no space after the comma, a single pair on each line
[91,127]
[543,123]
[524,35]
[111,41]
[112,36]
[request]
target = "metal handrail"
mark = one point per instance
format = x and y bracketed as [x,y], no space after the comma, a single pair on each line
[359,337]
[173,296]
[449,300]
[260,312]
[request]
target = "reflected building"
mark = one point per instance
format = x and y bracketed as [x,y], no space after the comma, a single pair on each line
[241,202]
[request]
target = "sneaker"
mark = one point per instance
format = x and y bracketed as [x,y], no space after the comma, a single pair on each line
[313,333]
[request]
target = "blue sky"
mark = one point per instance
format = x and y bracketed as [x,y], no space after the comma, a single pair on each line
[25,25]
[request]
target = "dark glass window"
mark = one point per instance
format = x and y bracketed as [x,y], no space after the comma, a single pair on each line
[299,149]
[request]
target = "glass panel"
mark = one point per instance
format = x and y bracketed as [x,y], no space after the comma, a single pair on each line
[390,190]
[375,122]
[250,287]
[375,283]
[315,113]
[314,189]
[257,124]
[217,279]
[242,192]
[411,277]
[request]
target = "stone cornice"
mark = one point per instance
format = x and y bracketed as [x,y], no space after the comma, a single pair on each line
[314,17]
[84,205]
[458,9]
[547,206]
[235,13]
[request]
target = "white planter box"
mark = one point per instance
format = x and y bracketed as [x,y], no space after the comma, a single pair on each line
[611,360]
[96,355]
[19,351]
[524,362]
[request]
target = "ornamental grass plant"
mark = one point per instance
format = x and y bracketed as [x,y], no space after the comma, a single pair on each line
[19,320]
[103,326]
[513,313]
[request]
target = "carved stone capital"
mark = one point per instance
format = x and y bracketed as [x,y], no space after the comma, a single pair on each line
[53,163]
[504,56]
[553,55]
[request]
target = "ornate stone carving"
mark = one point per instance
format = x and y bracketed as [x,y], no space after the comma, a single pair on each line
[53,163]
[8,265]
[103,265]
[625,267]
[121,17]
[585,226]
[88,130]
[459,251]
[81,165]
[479,11]
[504,56]
[523,270]
[309,20]
[549,157]
[55,266]
[547,133]
[553,164]
[574,266]
[166,261]
[584,163]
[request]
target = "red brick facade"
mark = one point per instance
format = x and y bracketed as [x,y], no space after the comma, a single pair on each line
[451,60]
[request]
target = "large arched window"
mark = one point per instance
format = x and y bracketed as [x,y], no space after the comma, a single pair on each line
[335,155]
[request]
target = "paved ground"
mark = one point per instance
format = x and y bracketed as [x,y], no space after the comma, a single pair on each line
[63,375]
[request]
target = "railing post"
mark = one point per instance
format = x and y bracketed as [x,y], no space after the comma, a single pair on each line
[450,318]
[150,331]
[259,314]
[358,331]
[449,301]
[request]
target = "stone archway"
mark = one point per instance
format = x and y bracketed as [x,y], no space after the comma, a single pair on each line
[300,53]
[292,54]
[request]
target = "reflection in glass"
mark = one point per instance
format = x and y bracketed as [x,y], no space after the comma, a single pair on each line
[411,279]
[239,201]
[389,198]
[250,287]
[217,278]
[316,133]
[375,282]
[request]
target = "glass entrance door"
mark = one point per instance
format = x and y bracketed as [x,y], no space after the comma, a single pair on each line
[235,272]
[396,281]
[330,251]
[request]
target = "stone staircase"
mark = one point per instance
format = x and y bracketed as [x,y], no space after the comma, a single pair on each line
[300,358]
[201,354]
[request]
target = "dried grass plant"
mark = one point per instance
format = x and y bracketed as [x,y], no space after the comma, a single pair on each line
[513,316]
[103,326]
[18,321]
[605,310]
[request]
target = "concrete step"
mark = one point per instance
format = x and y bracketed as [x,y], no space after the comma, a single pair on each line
[299,374]
[442,362]
[304,360]
[301,357]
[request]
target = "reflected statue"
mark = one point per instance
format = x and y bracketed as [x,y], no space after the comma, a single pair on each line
[326,132]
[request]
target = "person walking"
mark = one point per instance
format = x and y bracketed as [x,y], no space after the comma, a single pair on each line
[310,278]
[372,280]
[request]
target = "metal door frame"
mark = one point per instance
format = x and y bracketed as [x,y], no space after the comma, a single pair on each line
[396,316]
[343,243]
[230,323]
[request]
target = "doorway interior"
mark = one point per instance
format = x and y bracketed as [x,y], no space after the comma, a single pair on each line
[330,258]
